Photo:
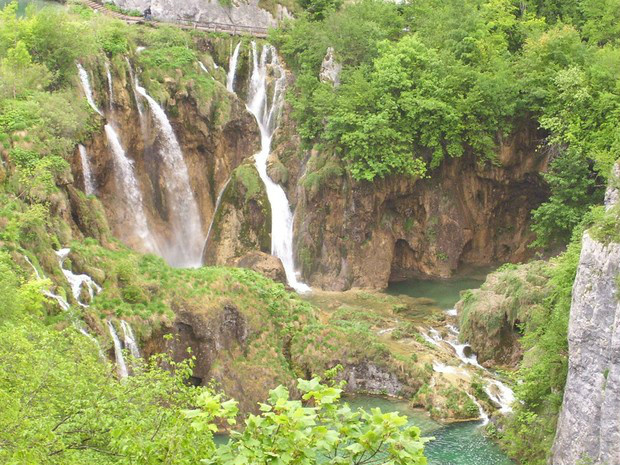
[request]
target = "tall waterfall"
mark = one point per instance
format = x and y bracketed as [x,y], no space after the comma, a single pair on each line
[121,366]
[186,247]
[89,183]
[129,339]
[265,69]
[232,68]
[129,185]
[88,91]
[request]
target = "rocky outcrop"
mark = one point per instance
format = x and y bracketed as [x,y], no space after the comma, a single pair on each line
[265,264]
[232,12]
[330,69]
[490,317]
[242,223]
[360,234]
[588,428]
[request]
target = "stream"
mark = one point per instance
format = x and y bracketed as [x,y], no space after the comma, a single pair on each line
[458,443]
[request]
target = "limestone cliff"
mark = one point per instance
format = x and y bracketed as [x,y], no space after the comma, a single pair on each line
[588,429]
[254,13]
[359,234]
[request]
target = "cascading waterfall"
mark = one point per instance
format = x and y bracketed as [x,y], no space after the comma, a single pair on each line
[121,366]
[186,248]
[267,114]
[129,339]
[66,307]
[89,183]
[125,175]
[232,69]
[88,91]
[215,209]
[497,391]
[76,281]
[110,85]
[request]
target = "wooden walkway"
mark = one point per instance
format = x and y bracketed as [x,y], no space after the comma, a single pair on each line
[234,29]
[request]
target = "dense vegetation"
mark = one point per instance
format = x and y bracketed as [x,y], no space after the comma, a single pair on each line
[426,80]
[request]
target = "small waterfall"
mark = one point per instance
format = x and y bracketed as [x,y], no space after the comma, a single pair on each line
[121,366]
[215,209]
[110,85]
[186,247]
[89,184]
[129,184]
[134,85]
[266,114]
[88,91]
[76,281]
[497,391]
[204,68]
[129,339]
[66,307]
[232,68]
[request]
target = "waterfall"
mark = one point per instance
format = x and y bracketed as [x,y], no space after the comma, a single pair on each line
[110,85]
[134,85]
[497,391]
[89,184]
[232,68]
[266,114]
[88,91]
[76,281]
[186,247]
[121,366]
[129,185]
[129,339]
[215,209]
[204,68]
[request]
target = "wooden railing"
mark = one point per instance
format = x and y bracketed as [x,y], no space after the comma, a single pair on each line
[210,26]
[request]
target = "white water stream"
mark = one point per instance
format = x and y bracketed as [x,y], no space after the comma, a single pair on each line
[88,91]
[121,366]
[89,184]
[129,339]
[215,209]
[185,248]
[77,281]
[267,71]
[232,68]
[110,84]
[497,391]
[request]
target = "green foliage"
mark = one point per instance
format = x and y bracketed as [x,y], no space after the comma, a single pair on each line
[572,193]
[317,430]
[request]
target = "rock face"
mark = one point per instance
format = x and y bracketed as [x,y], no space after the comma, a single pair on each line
[589,424]
[588,429]
[239,12]
[265,264]
[359,234]
[489,317]
[330,69]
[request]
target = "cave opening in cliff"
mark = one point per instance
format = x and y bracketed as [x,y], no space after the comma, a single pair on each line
[403,261]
